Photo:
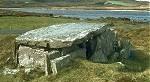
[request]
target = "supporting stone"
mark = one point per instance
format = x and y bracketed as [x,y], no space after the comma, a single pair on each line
[53,54]
[59,63]
[114,57]
[90,47]
[47,65]
[79,53]
[98,55]
[31,57]
[16,54]
[53,67]
[67,50]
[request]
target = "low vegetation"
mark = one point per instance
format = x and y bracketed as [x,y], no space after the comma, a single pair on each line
[30,22]
[6,48]
[4,12]
[135,69]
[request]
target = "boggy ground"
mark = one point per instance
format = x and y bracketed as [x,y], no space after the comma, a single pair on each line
[135,69]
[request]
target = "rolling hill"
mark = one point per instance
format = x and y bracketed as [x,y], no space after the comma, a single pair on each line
[68,3]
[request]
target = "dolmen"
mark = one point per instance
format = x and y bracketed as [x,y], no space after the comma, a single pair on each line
[54,47]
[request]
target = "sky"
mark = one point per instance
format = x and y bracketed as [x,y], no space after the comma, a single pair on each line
[143,0]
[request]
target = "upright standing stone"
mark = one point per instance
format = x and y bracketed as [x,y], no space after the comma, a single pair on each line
[47,65]
[98,55]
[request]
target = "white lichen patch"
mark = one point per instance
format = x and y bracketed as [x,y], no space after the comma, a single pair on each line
[8,71]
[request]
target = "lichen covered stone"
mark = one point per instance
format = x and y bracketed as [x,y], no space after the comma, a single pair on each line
[62,35]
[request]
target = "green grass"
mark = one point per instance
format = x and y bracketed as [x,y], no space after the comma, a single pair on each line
[85,71]
[6,48]
[136,69]
[30,22]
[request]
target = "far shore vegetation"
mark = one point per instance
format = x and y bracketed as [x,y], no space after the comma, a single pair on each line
[78,4]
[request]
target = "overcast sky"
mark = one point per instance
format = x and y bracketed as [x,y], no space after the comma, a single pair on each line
[143,0]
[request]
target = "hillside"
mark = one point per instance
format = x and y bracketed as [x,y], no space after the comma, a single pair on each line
[66,3]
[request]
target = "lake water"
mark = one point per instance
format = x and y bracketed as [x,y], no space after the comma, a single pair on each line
[138,15]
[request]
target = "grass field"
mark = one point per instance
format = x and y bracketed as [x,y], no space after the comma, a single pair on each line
[135,70]
[30,22]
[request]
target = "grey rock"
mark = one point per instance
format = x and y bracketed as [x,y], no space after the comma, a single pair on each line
[63,35]
[124,53]
[70,49]
[79,53]
[125,49]
[59,63]
[31,58]
[104,46]
[53,54]
[115,56]
[98,55]
[35,57]
[8,71]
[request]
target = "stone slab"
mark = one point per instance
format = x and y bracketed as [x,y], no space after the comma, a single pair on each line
[62,35]
[31,58]
[59,63]
[35,57]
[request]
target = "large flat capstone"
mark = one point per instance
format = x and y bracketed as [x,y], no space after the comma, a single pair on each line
[62,35]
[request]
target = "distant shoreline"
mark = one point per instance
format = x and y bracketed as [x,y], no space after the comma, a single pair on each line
[145,8]
[103,8]
[64,8]
[140,15]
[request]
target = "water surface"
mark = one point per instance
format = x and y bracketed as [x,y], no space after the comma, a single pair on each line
[138,15]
